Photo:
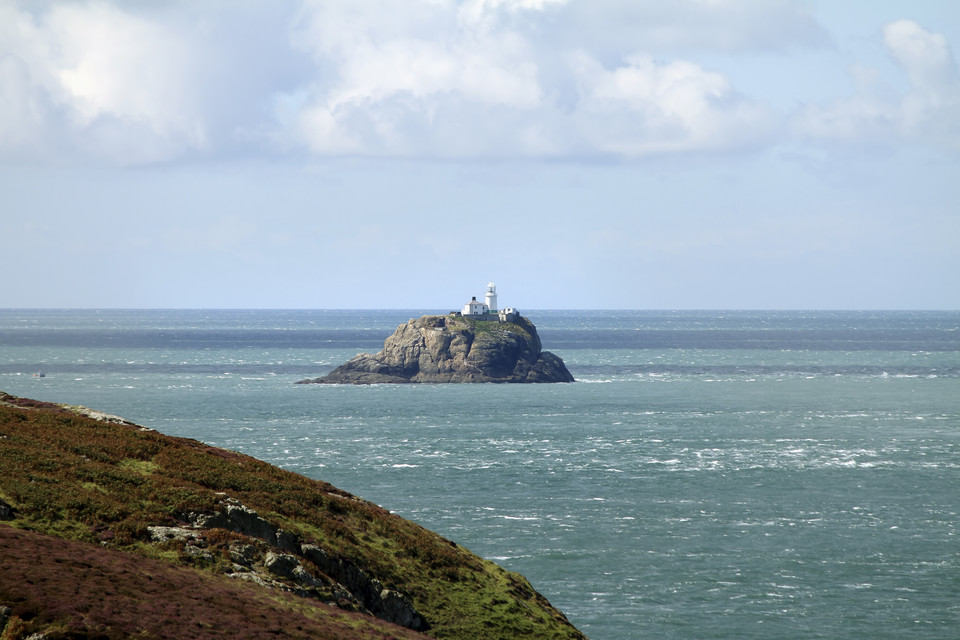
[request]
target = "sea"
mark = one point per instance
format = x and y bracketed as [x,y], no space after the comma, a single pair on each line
[709,475]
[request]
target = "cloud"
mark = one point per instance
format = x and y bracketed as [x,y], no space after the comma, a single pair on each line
[130,83]
[118,85]
[487,13]
[413,78]
[924,55]
[931,111]
[117,65]
[928,113]
[24,107]
[611,27]
[400,68]
[644,107]
[437,79]
[22,111]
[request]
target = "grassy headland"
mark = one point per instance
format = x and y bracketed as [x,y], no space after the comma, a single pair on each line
[185,529]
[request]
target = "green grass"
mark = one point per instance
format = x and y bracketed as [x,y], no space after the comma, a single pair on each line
[143,467]
[520,326]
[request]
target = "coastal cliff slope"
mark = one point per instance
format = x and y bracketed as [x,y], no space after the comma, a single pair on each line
[455,348]
[112,530]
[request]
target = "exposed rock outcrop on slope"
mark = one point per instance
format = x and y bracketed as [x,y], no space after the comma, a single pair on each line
[455,348]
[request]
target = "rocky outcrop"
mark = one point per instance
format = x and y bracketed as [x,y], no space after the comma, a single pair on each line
[455,348]
[6,511]
[386,604]
[241,519]
[341,582]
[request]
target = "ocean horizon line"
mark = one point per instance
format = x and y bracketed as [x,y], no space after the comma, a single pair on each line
[440,311]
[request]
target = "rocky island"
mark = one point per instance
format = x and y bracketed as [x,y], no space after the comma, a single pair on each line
[477,344]
[455,348]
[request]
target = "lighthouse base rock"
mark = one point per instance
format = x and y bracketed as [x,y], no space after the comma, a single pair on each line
[454,348]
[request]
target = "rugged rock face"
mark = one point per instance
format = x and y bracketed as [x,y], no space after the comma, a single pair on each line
[280,565]
[455,348]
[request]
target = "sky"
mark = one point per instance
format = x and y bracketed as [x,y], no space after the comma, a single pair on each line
[582,154]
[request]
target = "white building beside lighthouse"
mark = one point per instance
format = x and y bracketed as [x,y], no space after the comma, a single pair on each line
[475,308]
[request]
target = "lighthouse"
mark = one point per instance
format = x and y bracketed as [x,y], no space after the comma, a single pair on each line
[491,297]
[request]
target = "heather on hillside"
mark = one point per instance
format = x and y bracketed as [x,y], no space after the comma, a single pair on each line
[66,588]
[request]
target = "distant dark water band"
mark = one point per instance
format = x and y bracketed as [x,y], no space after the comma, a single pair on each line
[779,339]
[197,339]
[105,368]
[112,368]
[372,340]
[775,370]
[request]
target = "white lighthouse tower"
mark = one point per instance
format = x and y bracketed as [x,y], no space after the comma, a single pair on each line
[491,297]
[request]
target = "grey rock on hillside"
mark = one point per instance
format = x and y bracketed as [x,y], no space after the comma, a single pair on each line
[454,348]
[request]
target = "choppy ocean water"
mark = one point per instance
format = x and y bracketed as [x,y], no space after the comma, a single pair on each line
[709,475]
